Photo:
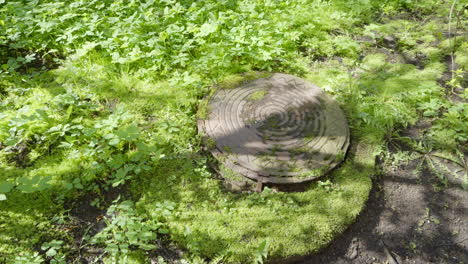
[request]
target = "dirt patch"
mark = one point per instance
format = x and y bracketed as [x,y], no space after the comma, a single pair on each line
[409,218]
[86,221]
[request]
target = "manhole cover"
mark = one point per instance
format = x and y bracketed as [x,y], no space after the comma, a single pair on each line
[280,129]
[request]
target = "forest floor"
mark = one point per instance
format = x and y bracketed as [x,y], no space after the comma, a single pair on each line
[101,162]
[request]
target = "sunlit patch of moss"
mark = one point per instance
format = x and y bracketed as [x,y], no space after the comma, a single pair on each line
[314,173]
[203,109]
[257,95]
[25,217]
[375,61]
[233,181]
[212,222]
[233,81]
[432,53]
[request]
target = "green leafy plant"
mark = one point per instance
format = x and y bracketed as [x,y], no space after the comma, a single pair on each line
[456,81]
[33,258]
[52,251]
[431,108]
[428,157]
[261,254]
[126,230]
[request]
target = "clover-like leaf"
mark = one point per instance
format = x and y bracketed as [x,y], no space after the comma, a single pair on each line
[6,187]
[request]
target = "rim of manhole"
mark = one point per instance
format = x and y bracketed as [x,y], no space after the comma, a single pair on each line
[278,129]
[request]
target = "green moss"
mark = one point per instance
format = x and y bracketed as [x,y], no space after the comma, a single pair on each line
[236,80]
[340,156]
[203,109]
[132,257]
[212,222]
[210,143]
[227,149]
[313,173]
[461,57]
[25,223]
[231,175]
[258,95]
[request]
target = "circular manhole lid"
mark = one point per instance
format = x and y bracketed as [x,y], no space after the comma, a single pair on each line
[280,129]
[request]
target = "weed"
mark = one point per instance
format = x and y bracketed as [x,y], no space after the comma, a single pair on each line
[126,229]
[262,252]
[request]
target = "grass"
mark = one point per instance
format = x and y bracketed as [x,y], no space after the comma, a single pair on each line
[95,96]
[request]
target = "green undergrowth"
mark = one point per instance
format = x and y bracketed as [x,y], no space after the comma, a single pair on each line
[215,223]
[97,95]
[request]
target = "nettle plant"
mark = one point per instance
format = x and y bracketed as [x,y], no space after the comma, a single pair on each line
[38,127]
[107,146]
[126,230]
[115,150]
[184,41]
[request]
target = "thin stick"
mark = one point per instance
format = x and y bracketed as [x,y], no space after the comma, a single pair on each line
[451,42]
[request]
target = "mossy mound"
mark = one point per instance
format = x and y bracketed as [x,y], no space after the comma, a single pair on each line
[212,222]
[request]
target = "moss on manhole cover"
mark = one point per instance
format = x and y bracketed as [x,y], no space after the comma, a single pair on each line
[279,129]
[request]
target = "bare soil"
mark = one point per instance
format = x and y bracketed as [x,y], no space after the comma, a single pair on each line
[409,218]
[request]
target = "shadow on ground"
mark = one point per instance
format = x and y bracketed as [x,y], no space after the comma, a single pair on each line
[409,218]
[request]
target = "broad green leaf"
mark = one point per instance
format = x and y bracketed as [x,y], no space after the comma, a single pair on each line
[128,133]
[6,186]
[207,29]
[51,252]
[36,183]
[163,231]
[109,136]
[114,141]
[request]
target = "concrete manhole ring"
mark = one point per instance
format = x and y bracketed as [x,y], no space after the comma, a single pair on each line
[280,129]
